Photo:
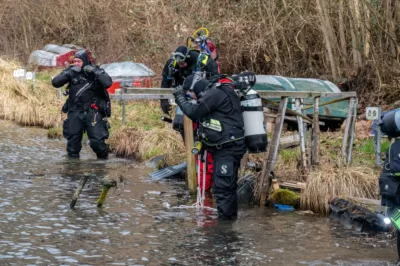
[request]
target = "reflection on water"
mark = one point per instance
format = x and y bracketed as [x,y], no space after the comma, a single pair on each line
[132,228]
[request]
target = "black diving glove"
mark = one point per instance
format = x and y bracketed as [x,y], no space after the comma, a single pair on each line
[165,106]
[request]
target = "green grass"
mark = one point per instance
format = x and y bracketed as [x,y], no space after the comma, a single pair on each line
[367,146]
[364,152]
[54,132]
[289,155]
[151,153]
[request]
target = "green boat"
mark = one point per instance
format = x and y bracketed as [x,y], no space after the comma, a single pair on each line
[333,114]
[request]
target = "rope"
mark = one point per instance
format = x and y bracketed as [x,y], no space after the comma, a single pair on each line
[201,190]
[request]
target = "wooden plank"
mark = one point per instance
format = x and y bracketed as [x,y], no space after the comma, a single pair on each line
[243,164]
[128,97]
[131,93]
[352,130]
[366,201]
[134,90]
[345,141]
[290,118]
[315,134]
[269,162]
[326,103]
[302,139]
[191,164]
[292,184]
[287,110]
[289,141]
[304,94]
[262,93]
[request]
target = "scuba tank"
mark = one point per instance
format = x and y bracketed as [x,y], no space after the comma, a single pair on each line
[254,124]
[390,123]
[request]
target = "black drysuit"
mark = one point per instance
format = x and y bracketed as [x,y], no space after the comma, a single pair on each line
[221,129]
[86,112]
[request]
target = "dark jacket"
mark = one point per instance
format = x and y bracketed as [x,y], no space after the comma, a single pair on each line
[76,80]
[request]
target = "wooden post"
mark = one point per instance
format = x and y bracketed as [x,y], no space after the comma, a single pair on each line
[191,164]
[243,164]
[350,112]
[302,138]
[79,190]
[315,134]
[352,130]
[123,106]
[269,162]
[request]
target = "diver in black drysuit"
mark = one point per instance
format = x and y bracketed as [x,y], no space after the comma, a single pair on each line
[221,128]
[88,103]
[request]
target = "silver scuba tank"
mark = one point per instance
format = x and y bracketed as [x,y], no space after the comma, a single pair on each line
[254,124]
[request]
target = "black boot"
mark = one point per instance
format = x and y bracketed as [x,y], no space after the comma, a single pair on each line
[102,155]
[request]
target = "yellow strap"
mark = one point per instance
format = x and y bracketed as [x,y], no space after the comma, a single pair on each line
[205,60]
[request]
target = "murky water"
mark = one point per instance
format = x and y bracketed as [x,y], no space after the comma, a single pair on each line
[37,227]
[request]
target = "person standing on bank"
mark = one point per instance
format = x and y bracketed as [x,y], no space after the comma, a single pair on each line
[221,131]
[88,103]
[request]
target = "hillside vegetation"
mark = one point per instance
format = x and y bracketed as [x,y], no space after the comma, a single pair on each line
[353,43]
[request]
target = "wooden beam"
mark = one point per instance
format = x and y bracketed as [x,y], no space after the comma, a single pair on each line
[315,134]
[289,141]
[292,184]
[128,97]
[131,93]
[262,93]
[243,164]
[369,203]
[326,103]
[191,164]
[288,110]
[290,118]
[304,94]
[302,139]
[345,141]
[269,162]
[352,130]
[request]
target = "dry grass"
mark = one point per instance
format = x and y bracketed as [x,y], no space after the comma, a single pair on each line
[328,182]
[142,145]
[26,106]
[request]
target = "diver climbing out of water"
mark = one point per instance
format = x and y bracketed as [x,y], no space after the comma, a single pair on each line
[87,106]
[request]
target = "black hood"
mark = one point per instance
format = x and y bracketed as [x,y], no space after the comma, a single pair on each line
[200,85]
[82,55]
